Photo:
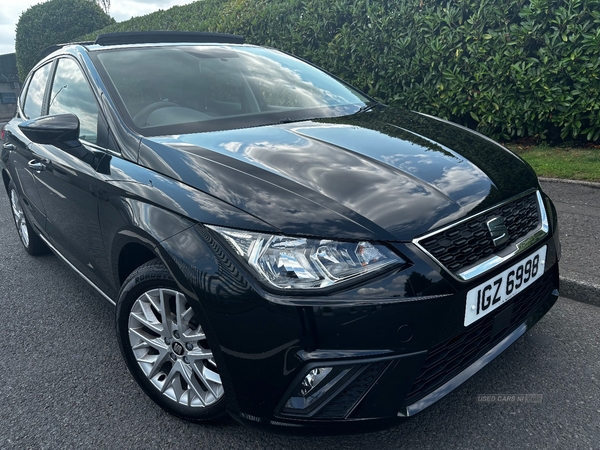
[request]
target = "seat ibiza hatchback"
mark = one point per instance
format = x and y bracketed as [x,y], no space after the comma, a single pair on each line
[279,246]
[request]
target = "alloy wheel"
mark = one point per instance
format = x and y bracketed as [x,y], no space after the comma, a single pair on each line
[171,348]
[19,217]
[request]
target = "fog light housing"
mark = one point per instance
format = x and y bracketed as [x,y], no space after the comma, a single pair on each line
[316,387]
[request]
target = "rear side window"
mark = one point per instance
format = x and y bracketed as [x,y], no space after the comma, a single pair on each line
[35,93]
[23,95]
[72,94]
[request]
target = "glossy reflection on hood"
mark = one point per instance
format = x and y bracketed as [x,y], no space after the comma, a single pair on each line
[360,184]
[378,170]
[453,175]
[290,212]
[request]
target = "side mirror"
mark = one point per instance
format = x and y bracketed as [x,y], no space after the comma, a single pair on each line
[59,129]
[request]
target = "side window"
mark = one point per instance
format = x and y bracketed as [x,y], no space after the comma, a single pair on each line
[72,94]
[34,99]
[23,94]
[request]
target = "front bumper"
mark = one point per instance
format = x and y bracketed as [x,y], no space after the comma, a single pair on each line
[399,386]
[402,353]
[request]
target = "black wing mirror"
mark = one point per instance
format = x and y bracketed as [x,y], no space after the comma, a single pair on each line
[58,129]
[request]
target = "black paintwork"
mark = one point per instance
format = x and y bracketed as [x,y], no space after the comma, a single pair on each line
[384,175]
[57,130]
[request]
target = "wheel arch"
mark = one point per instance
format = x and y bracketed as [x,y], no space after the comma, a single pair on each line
[134,247]
[132,256]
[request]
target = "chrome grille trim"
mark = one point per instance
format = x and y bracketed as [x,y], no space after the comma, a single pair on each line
[494,260]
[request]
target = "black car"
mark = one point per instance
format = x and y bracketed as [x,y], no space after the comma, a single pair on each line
[279,246]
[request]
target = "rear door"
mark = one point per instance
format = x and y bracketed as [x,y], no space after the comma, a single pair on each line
[31,106]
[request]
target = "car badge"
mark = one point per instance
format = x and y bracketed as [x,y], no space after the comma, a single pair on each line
[178,348]
[498,231]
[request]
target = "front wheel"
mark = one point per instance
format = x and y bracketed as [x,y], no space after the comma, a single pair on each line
[165,347]
[29,238]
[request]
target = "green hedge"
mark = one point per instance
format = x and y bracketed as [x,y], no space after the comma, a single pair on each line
[509,68]
[54,22]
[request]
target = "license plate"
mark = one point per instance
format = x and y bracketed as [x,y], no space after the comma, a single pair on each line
[490,295]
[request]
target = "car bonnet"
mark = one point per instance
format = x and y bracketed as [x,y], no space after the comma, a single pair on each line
[384,174]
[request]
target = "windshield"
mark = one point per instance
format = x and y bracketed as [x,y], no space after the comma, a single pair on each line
[183,89]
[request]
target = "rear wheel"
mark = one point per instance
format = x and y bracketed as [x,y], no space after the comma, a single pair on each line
[165,346]
[29,237]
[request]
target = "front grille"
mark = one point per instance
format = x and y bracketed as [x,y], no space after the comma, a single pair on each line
[469,242]
[451,357]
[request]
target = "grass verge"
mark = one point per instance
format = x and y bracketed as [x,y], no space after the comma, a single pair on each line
[574,163]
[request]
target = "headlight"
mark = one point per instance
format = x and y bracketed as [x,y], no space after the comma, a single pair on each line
[299,263]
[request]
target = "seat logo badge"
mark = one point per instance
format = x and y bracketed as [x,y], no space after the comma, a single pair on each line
[498,231]
[178,348]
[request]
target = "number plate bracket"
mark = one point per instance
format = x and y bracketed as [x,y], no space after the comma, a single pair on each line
[494,292]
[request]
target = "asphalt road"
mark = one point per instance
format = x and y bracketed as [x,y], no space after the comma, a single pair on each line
[63,384]
[578,208]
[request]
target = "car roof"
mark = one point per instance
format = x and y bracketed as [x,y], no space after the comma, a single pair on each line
[154,37]
[149,37]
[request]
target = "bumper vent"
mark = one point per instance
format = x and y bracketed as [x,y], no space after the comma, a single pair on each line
[469,242]
[343,404]
[449,358]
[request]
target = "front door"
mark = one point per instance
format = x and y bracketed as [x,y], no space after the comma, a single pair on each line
[68,179]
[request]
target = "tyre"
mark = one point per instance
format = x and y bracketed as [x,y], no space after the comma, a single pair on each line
[165,347]
[29,237]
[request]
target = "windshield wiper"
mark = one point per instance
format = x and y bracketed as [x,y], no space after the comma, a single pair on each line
[366,108]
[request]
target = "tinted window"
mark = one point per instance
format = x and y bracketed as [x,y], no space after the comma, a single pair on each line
[173,90]
[23,95]
[72,94]
[35,93]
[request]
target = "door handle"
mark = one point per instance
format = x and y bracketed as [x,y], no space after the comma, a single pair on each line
[8,146]
[38,165]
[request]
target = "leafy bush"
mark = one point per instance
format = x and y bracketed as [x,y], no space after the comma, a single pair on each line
[509,68]
[54,22]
